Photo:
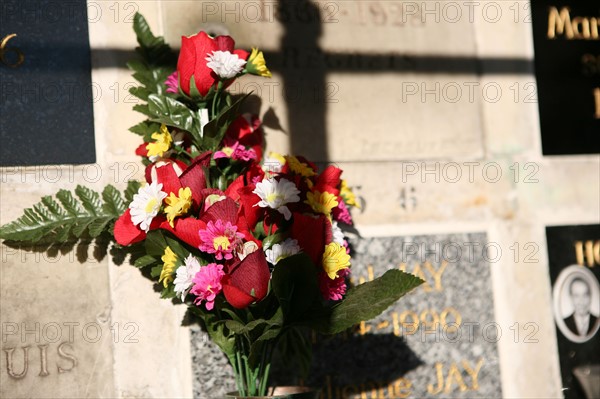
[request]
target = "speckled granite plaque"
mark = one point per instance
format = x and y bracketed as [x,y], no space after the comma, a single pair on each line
[439,341]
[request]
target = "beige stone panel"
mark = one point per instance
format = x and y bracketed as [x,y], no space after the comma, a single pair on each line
[568,191]
[511,120]
[111,22]
[52,303]
[503,28]
[58,308]
[413,27]
[251,23]
[510,116]
[424,192]
[401,116]
[343,26]
[522,305]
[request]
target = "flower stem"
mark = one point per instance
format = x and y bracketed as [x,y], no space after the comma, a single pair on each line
[241,387]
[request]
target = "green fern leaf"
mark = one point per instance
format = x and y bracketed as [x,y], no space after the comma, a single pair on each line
[113,202]
[153,49]
[69,203]
[133,186]
[89,199]
[68,219]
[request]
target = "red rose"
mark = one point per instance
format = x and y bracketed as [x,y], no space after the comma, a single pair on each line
[192,60]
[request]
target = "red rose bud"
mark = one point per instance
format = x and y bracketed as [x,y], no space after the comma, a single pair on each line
[192,63]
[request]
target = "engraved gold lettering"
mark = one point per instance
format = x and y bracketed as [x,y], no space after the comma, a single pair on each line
[440,380]
[66,356]
[455,375]
[436,274]
[430,320]
[473,373]
[4,50]
[9,363]
[364,328]
[587,253]
[560,23]
[454,380]
[457,319]
[396,324]
[370,388]
[597,102]
[584,24]
[402,388]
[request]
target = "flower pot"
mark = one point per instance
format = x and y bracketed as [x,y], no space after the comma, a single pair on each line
[282,393]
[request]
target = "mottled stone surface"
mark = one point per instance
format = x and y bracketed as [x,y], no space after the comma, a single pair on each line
[394,358]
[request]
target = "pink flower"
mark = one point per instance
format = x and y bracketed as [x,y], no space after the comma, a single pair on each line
[237,151]
[172,83]
[207,284]
[220,239]
[341,213]
[333,290]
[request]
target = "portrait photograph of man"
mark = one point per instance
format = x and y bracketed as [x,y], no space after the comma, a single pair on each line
[577,303]
[581,322]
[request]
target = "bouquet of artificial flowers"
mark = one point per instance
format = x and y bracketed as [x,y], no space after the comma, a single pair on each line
[253,244]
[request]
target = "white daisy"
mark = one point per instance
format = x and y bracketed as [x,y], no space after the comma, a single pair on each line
[281,251]
[275,194]
[338,234]
[184,276]
[225,64]
[146,204]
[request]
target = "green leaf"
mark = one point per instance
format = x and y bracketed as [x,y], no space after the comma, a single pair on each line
[89,199]
[68,219]
[295,284]
[153,49]
[143,109]
[144,261]
[133,187]
[215,130]
[171,112]
[155,243]
[156,270]
[236,327]
[113,202]
[367,301]
[216,332]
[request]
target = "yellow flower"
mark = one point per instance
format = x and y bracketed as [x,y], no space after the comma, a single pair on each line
[335,259]
[256,64]
[169,261]
[162,143]
[299,167]
[178,205]
[347,194]
[321,202]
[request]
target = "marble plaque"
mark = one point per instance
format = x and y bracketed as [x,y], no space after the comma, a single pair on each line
[354,81]
[438,341]
[46,91]
[567,68]
[574,263]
